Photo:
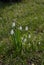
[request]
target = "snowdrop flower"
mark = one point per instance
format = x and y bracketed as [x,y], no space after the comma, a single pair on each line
[39,43]
[25,40]
[13,24]
[22,38]
[12,32]
[20,27]
[26,28]
[29,36]
[33,64]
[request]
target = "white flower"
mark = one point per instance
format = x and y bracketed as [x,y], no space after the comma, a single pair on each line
[26,28]
[12,32]
[13,24]
[22,38]
[33,64]
[20,27]
[39,43]
[29,36]
[25,40]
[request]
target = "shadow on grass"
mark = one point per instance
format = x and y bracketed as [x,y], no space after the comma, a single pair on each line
[4,4]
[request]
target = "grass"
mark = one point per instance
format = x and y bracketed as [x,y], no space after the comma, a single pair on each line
[14,50]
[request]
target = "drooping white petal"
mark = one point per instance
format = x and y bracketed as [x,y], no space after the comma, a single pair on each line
[25,40]
[13,24]
[12,32]
[26,28]
[39,43]
[29,36]
[22,38]
[20,27]
[33,64]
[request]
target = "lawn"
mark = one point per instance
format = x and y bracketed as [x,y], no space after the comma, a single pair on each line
[22,33]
